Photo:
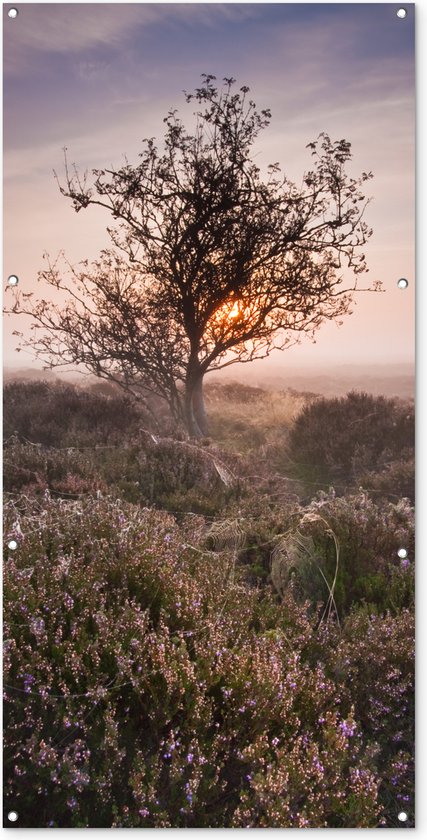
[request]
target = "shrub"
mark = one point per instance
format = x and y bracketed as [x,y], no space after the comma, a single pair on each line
[335,441]
[397,479]
[146,686]
[169,474]
[60,415]
[373,662]
[34,469]
[154,678]
[181,476]
[343,551]
[261,522]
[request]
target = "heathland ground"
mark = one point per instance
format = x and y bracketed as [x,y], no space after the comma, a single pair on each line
[207,634]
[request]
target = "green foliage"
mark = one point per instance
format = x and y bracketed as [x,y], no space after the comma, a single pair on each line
[263,524]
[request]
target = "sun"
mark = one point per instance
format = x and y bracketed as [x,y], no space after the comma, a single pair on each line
[229,314]
[235,311]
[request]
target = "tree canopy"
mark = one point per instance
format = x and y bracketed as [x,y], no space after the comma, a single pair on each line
[212,262]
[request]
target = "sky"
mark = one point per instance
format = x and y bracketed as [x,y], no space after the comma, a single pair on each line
[98,78]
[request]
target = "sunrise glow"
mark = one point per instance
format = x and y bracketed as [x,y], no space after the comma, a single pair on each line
[235,311]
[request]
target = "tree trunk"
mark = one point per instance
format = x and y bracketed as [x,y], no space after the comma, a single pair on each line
[190,421]
[195,412]
[199,409]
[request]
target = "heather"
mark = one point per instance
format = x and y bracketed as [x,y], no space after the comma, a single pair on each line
[188,646]
[348,440]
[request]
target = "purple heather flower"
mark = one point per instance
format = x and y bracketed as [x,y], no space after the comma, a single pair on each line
[37,625]
[318,765]
[347,729]
[28,681]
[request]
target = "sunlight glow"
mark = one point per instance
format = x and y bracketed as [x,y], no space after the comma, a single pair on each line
[235,311]
[230,316]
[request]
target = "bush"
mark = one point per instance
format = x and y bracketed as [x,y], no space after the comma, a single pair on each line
[336,441]
[169,474]
[35,469]
[343,551]
[146,686]
[261,522]
[59,415]
[397,479]
[374,665]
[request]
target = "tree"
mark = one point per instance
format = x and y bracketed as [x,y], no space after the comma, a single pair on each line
[211,263]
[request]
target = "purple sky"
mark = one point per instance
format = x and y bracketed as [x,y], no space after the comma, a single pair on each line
[99,78]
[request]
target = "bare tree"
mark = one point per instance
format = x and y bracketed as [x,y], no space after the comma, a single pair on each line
[212,264]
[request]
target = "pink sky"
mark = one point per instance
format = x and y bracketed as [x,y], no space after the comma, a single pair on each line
[100,78]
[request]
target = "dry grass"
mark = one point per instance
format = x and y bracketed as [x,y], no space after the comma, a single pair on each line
[243,419]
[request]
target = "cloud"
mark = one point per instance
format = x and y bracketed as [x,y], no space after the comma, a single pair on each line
[63,28]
